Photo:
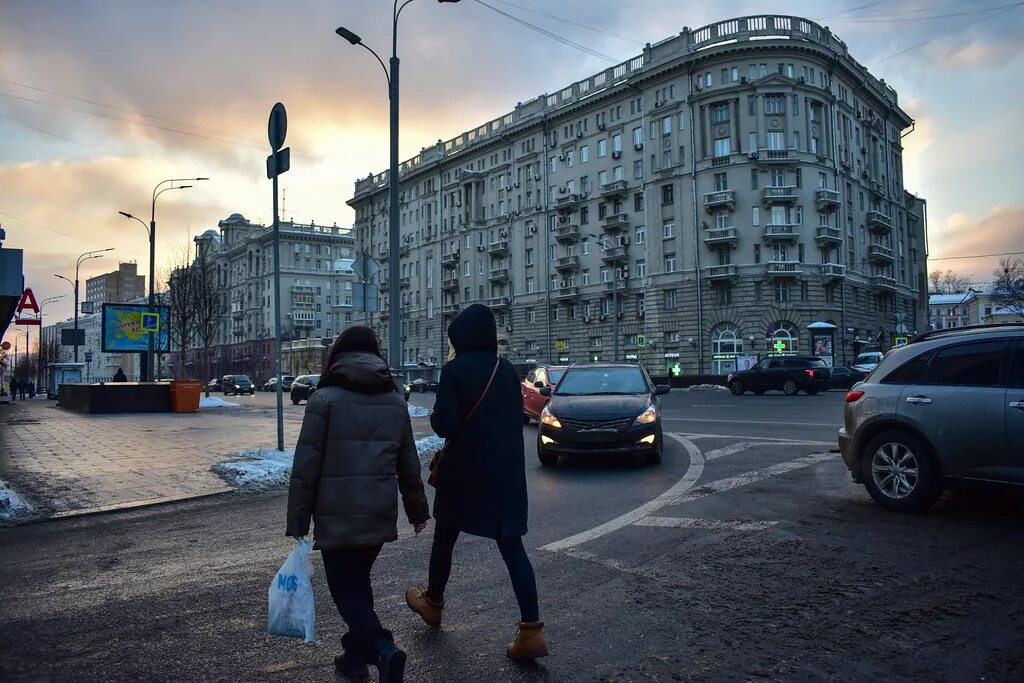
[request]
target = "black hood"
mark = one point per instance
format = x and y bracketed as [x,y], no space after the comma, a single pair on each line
[599,407]
[358,371]
[474,330]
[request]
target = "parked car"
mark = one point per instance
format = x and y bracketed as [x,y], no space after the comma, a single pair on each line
[949,405]
[399,378]
[237,384]
[535,380]
[845,376]
[286,383]
[788,374]
[523,369]
[868,360]
[303,387]
[601,408]
[214,385]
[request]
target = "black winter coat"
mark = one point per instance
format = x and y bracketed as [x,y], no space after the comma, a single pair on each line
[481,483]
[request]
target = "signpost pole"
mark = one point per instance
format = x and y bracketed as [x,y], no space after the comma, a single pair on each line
[277,164]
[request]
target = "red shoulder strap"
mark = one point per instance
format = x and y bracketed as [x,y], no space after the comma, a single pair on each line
[486,389]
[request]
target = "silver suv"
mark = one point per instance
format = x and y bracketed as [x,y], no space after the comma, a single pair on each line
[948,405]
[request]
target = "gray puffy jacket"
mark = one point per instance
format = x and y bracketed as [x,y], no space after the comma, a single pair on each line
[355,453]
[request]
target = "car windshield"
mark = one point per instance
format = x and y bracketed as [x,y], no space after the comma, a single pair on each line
[241,378]
[818,363]
[873,357]
[603,382]
[314,380]
[555,375]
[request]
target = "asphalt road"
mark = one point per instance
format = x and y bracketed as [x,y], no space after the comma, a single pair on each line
[747,555]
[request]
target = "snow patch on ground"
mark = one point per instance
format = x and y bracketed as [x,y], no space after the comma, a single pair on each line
[215,402]
[11,504]
[265,469]
[418,411]
[707,387]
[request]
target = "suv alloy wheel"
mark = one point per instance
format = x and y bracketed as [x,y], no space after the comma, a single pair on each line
[790,388]
[736,387]
[899,473]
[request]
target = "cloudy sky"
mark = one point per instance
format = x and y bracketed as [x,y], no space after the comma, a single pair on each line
[101,99]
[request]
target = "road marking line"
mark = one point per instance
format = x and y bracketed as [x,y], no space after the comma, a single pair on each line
[611,563]
[754,422]
[783,442]
[680,488]
[712,524]
[723,485]
[729,450]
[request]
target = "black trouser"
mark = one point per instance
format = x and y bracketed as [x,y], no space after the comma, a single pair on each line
[524,583]
[348,577]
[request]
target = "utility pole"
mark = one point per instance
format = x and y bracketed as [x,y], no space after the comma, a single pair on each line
[277,163]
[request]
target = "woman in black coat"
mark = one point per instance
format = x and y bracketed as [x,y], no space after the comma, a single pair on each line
[481,481]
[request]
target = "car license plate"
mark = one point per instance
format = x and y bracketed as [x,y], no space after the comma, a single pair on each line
[596,435]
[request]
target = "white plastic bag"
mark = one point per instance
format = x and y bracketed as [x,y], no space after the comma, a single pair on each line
[291,609]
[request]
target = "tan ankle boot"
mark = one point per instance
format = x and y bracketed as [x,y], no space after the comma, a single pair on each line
[419,603]
[529,643]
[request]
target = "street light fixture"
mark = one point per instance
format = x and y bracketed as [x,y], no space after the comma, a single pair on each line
[394,243]
[74,285]
[158,190]
[607,246]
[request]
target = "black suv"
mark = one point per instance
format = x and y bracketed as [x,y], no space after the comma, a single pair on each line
[238,384]
[788,374]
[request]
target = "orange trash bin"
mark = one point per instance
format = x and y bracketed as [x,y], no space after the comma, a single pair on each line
[185,395]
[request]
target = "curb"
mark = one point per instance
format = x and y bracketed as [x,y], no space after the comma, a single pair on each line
[132,505]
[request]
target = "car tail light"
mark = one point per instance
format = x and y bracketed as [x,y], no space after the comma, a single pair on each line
[810,373]
[853,395]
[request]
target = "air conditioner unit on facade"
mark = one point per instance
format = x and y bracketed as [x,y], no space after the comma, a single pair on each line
[743,79]
[536,176]
[579,133]
[480,247]
[601,317]
[616,154]
[561,190]
[508,188]
[515,184]
[752,155]
[601,126]
[561,157]
[638,146]
[586,319]
[803,80]
[533,229]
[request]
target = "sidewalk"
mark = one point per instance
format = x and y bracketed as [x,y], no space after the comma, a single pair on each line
[65,463]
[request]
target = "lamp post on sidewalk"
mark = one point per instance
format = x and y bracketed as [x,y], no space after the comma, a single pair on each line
[39,369]
[74,285]
[147,364]
[394,242]
[607,246]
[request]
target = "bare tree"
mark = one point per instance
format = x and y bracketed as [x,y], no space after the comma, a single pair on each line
[1009,285]
[947,282]
[182,286]
[210,308]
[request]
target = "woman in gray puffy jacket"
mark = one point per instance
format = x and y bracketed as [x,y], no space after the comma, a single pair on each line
[355,453]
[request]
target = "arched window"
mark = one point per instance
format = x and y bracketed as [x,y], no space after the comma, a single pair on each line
[783,340]
[726,344]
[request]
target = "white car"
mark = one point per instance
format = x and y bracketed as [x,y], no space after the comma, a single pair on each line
[868,360]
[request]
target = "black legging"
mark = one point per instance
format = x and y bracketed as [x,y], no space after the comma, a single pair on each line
[524,583]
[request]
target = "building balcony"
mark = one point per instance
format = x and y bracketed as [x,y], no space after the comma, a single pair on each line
[450,259]
[883,283]
[405,282]
[770,157]
[567,263]
[612,286]
[833,271]
[497,248]
[880,254]
[499,302]
[450,309]
[237,315]
[784,269]
[404,250]
[876,188]
[826,200]
[716,236]
[382,285]
[566,292]
[567,233]
[726,272]
[616,222]
[499,275]
[450,284]
[615,255]
[879,223]
[567,202]
[827,235]
[725,199]
[780,232]
[614,189]
[785,194]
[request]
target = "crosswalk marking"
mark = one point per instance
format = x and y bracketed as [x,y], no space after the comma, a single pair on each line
[709,524]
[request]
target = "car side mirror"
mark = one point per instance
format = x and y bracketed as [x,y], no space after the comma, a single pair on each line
[545,391]
[662,389]
[539,384]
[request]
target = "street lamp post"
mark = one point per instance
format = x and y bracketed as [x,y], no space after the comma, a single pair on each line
[148,358]
[606,244]
[39,369]
[394,242]
[74,285]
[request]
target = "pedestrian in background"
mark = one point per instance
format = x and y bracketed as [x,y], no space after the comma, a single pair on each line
[31,389]
[481,480]
[119,376]
[14,388]
[355,453]
[23,388]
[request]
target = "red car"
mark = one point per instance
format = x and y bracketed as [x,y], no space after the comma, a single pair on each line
[543,376]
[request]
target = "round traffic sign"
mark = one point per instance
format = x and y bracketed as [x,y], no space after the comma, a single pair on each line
[277,127]
[5,346]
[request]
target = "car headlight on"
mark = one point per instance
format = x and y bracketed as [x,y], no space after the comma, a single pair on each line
[648,416]
[550,420]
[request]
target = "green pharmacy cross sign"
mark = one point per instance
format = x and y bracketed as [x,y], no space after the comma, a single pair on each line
[780,346]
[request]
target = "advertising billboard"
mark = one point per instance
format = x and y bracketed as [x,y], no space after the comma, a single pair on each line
[126,328]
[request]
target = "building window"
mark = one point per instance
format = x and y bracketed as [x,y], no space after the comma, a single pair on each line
[723,147]
[757,253]
[670,263]
[757,292]
[638,201]
[726,345]
[721,182]
[670,299]
[666,125]
[638,169]
[640,235]
[782,339]
[755,216]
[602,148]
[776,140]
[781,292]
[584,154]
[667,231]
[774,104]
[667,196]
[720,112]
[641,268]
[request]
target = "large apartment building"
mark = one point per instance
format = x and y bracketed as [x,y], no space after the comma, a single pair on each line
[316,289]
[733,190]
[119,286]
